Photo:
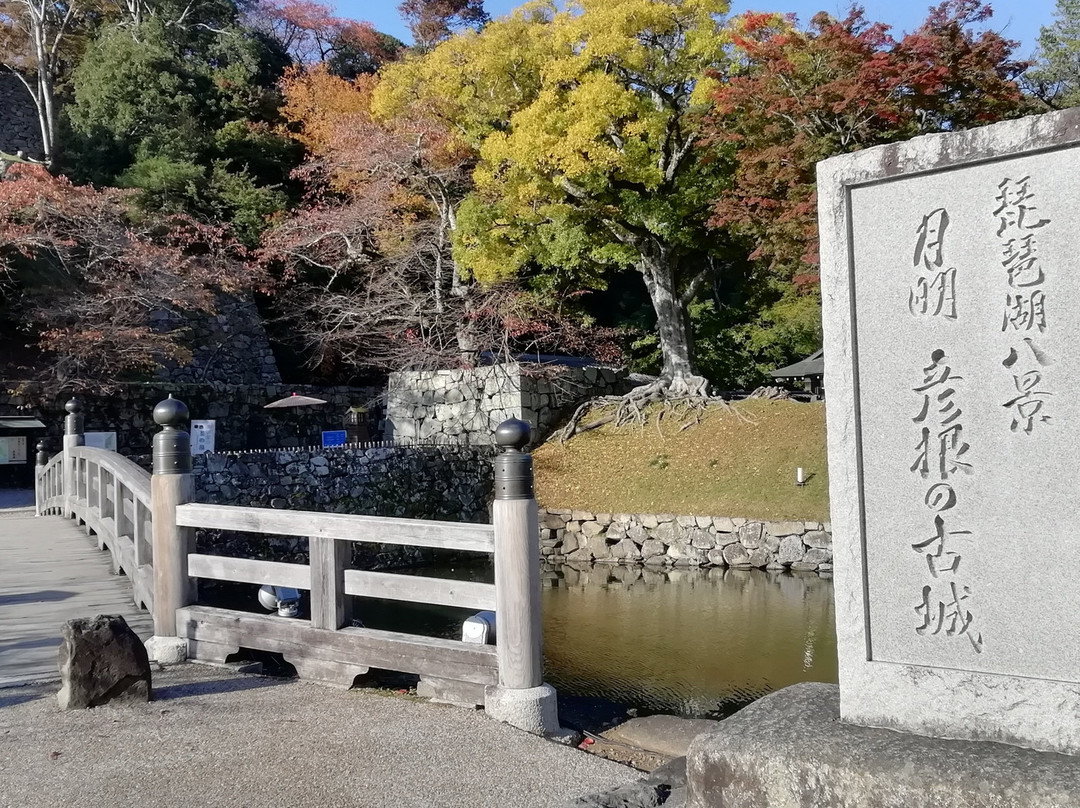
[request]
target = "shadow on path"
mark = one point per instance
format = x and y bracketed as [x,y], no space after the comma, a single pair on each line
[215,686]
[44,596]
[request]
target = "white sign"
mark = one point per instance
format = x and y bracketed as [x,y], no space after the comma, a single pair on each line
[12,451]
[202,437]
[100,440]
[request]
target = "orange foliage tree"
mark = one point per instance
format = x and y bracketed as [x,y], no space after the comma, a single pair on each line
[100,293]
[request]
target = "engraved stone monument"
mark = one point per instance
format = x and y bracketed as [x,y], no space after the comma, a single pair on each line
[950,278]
[951,286]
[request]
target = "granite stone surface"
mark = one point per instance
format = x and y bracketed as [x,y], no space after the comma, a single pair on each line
[790,750]
[950,307]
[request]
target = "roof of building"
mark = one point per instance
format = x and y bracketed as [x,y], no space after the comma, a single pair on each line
[813,365]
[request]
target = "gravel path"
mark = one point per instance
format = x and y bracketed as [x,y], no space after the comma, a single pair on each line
[217,739]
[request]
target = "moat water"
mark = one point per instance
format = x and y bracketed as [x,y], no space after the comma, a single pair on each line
[692,642]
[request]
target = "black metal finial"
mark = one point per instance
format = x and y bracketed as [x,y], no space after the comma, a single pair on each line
[42,452]
[513,435]
[171,413]
[172,445]
[74,406]
[513,467]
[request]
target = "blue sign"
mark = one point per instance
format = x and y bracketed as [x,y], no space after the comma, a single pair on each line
[335,438]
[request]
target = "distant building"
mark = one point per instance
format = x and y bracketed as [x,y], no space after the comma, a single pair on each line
[810,370]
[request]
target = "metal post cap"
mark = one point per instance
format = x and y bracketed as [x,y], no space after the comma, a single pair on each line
[171,413]
[172,445]
[74,406]
[513,467]
[513,434]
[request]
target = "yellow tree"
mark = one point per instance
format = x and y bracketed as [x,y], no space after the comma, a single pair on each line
[585,123]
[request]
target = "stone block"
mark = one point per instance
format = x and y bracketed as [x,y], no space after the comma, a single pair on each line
[649,521]
[780,529]
[759,557]
[736,555]
[751,535]
[651,548]
[590,529]
[723,524]
[665,532]
[817,538]
[101,659]
[791,550]
[687,553]
[791,749]
[702,539]
[817,556]
[625,550]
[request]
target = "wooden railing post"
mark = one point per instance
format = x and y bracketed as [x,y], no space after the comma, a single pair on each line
[41,485]
[73,436]
[521,697]
[170,486]
[328,559]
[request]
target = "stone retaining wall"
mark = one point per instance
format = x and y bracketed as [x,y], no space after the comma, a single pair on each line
[230,346]
[695,541]
[19,127]
[466,405]
[447,483]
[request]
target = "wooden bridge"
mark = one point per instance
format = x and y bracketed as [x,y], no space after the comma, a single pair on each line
[147,522]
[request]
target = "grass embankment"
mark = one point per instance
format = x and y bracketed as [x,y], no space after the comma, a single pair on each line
[723,466]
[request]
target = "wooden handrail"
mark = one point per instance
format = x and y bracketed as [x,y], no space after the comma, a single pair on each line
[340,526]
[131,476]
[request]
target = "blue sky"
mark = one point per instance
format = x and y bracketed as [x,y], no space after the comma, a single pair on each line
[1018,19]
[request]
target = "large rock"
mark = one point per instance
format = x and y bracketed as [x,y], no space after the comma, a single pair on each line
[101,660]
[791,749]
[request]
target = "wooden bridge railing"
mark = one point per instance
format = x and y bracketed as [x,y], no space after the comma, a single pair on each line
[147,522]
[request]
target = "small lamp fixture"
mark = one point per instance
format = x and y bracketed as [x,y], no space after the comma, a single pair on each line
[800,476]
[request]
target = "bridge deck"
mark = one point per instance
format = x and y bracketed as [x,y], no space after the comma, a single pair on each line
[50,572]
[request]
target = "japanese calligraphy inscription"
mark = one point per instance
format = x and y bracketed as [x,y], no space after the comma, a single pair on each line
[951,289]
[964,431]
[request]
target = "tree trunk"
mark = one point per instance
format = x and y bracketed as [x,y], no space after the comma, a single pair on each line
[673,324]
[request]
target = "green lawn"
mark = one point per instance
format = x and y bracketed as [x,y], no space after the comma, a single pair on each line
[724,466]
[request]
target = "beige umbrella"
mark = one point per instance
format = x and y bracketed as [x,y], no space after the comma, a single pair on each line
[295,400]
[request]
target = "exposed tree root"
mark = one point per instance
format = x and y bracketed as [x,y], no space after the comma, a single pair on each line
[685,399]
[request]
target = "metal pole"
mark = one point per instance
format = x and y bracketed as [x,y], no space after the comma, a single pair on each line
[170,486]
[522,698]
[73,436]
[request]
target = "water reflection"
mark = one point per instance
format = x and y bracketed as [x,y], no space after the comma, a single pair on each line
[695,642]
[699,642]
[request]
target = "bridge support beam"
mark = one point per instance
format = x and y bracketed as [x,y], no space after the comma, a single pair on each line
[521,698]
[170,486]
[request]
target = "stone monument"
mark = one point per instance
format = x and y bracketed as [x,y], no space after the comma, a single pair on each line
[951,306]
[951,310]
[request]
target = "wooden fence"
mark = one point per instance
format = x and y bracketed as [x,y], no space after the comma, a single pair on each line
[147,523]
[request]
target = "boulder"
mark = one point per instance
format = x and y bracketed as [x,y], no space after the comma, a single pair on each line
[101,660]
[791,550]
[736,555]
